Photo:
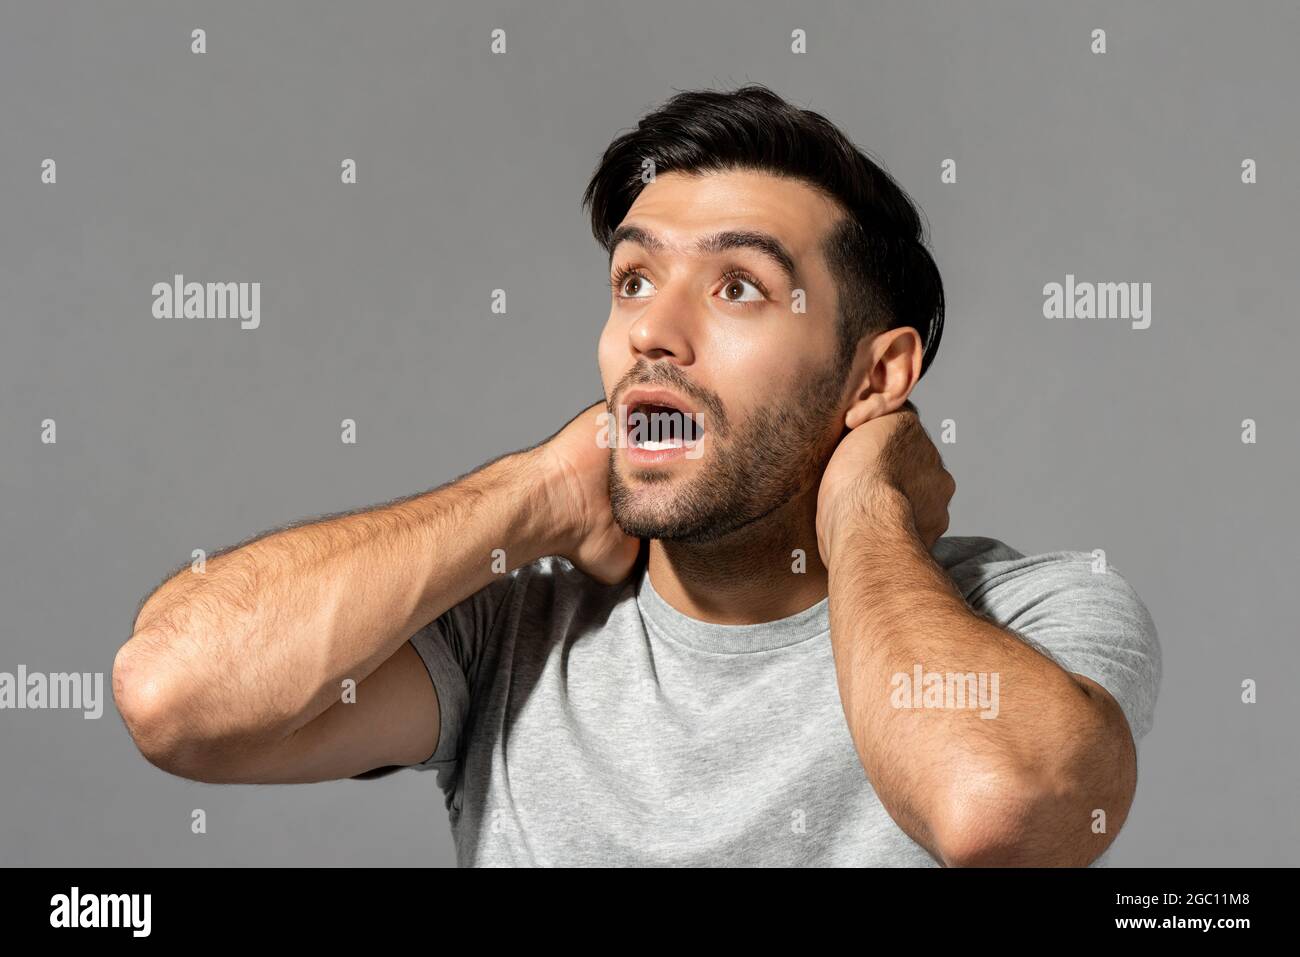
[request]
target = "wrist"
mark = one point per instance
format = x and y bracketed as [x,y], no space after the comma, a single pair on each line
[873,509]
[514,488]
[545,490]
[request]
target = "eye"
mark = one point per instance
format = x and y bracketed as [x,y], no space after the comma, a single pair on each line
[630,277]
[739,286]
[735,280]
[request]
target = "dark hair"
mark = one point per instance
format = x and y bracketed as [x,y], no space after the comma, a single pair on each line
[885,275]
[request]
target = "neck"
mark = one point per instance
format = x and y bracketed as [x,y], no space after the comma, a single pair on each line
[749,576]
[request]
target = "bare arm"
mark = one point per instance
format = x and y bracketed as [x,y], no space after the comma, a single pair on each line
[236,674]
[1020,790]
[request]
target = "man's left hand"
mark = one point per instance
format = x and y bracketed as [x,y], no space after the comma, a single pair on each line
[883,461]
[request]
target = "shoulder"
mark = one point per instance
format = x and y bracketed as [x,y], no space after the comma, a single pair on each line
[550,585]
[1074,605]
[555,573]
[987,568]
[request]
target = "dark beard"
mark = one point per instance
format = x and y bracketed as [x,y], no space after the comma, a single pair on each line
[781,453]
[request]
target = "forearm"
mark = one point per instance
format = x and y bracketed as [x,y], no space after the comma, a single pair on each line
[257,645]
[1009,775]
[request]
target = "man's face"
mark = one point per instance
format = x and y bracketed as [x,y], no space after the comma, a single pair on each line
[724,334]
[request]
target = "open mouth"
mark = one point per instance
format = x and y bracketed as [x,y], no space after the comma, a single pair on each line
[658,427]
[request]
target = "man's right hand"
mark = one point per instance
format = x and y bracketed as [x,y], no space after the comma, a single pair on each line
[576,467]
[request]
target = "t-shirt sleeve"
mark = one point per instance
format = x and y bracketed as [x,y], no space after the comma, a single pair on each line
[452,649]
[1089,621]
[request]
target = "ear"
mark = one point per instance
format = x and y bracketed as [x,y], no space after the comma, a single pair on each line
[884,372]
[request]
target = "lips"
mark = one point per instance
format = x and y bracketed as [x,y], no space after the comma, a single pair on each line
[658,427]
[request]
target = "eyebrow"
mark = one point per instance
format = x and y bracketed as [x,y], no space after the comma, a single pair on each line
[766,244]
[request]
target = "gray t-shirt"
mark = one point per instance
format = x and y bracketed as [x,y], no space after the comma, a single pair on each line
[593,725]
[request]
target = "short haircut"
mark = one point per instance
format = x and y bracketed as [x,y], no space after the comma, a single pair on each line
[885,276]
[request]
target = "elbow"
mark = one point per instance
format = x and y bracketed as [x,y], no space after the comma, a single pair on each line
[982,823]
[991,838]
[1062,807]
[153,708]
[1018,821]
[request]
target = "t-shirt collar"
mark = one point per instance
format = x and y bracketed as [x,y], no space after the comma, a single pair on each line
[731,639]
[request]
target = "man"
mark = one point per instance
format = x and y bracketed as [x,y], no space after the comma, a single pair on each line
[712,620]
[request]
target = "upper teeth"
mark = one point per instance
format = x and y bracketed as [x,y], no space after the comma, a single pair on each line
[661,446]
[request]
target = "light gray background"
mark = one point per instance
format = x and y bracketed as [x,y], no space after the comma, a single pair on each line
[174,435]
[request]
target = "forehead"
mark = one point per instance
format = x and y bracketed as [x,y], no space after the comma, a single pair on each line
[680,207]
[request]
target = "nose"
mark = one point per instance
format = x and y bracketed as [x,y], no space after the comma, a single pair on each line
[662,331]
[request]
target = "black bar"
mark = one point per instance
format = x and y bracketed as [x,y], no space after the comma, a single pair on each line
[945,907]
